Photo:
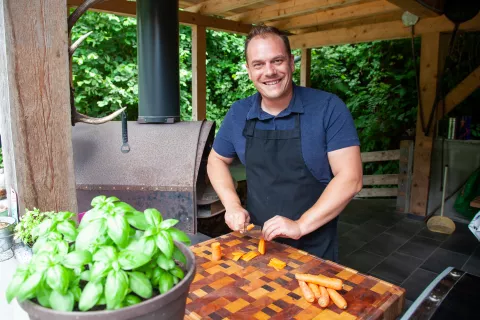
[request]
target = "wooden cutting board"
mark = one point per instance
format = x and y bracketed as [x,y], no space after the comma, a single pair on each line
[229,289]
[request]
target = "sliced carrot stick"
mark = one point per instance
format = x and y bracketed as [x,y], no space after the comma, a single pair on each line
[307,293]
[250,227]
[337,299]
[261,246]
[332,283]
[216,251]
[324,299]
[314,289]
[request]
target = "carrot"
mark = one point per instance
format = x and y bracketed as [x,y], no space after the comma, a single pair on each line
[250,227]
[261,246]
[337,299]
[216,251]
[307,293]
[250,255]
[277,264]
[332,283]
[314,289]
[324,299]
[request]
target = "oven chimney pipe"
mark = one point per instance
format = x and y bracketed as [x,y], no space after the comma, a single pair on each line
[158,62]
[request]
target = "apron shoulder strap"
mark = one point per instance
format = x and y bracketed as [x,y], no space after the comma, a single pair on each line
[249,128]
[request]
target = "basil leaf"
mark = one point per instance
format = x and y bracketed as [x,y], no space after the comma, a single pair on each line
[179,256]
[153,217]
[179,236]
[62,247]
[43,296]
[105,254]
[156,275]
[87,236]
[165,282]
[168,223]
[102,301]
[131,299]
[14,285]
[77,292]
[86,275]
[175,280]
[42,261]
[62,302]
[58,279]
[28,288]
[111,200]
[122,208]
[98,200]
[165,243]
[67,228]
[137,220]
[99,270]
[42,228]
[77,259]
[63,215]
[116,288]
[89,216]
[132,259]
[90,296]
[140,284]
[146,245]
[177,272]
[118,229]
[39,245]
[165,263]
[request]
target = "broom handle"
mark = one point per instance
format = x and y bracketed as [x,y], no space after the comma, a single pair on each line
[444,189]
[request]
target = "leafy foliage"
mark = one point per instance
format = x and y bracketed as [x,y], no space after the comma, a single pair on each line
[116,257]
[24,230]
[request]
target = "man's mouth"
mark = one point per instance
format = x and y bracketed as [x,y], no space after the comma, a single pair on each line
[271,83]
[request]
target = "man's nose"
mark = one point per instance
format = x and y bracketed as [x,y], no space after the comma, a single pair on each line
[270,69]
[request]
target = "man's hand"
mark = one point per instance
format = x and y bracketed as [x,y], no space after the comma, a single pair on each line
[236,218]
[279,226]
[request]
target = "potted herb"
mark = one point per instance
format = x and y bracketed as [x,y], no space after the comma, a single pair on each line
[118,263]
[25,229]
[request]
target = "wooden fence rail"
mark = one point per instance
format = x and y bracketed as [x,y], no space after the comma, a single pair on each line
[401,181]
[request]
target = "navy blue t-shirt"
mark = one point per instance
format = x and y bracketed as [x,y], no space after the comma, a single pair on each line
[325,123]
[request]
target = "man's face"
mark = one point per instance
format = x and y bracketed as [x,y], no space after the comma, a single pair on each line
[270,67]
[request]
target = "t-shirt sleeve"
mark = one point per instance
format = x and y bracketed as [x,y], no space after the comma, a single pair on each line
[339,126]
[223,143]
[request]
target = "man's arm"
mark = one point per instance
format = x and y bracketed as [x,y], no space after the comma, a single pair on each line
[221,179]
[346,165]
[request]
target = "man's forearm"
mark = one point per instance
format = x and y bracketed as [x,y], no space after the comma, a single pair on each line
[338,193]
[222,181]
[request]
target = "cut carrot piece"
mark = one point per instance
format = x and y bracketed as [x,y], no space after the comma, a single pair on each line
[277,264]
[307,293]
[237,257]
[249,256]
[337,299]
[261,246]
[315,290]
[332,283]
[324,299]
[216,251]
[250,227]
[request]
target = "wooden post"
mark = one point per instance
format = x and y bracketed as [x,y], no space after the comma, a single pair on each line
[34,104]
[305,66]
[405,176]
[433,50]
[199,73]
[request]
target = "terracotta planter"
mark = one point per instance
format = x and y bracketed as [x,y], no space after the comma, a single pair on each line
[170,306]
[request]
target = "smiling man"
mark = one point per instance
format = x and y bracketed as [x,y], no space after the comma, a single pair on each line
[300,149]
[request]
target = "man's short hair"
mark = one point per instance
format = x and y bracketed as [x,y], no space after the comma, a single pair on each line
[264,31]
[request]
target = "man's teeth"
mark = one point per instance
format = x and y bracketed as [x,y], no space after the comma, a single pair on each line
[272,82]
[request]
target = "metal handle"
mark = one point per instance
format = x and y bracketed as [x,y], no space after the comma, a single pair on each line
[125,147]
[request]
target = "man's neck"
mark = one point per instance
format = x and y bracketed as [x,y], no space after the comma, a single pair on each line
[275,106]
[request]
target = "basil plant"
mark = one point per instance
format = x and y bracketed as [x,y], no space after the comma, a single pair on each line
[116,257]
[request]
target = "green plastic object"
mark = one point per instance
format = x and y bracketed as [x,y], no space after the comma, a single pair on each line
[469,191]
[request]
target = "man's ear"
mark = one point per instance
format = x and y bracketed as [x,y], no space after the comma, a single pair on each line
[248,70]
[292,62]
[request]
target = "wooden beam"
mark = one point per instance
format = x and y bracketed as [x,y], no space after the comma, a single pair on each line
[219,6]
[380,156]
[380,179]
[433,49]
[405,175]
[129,9]
[414,7]
[35,104]
[377,192]
[287,9]
[336,15]
[199,73]
[462,90]
[305,67]
[378,31]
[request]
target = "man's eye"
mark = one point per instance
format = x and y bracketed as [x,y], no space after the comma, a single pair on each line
[277,61]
